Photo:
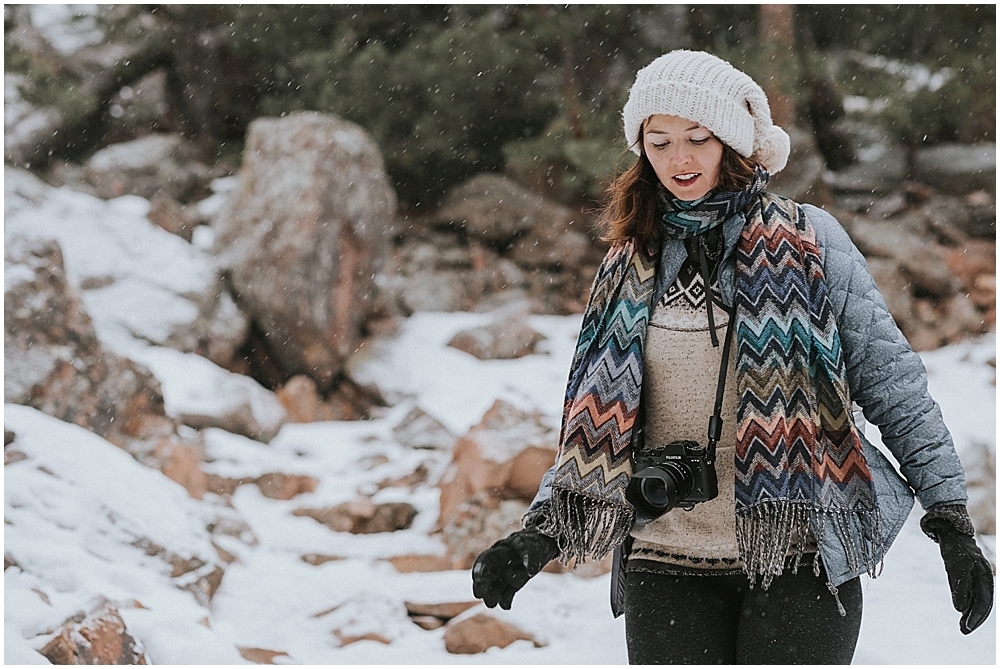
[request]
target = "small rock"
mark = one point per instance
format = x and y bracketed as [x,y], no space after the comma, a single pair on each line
[411,480]
[407,564]
[444,610]
[480,633]
[285,486]
[421,430]
[260,655]
[348,639]
[302,401]
[500,340]
[363,516]
[316,559]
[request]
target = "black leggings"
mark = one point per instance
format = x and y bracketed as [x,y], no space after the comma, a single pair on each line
[721,620]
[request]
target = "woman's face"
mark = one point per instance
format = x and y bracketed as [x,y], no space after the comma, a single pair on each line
[685,156]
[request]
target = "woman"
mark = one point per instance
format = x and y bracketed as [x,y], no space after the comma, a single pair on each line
[785,478]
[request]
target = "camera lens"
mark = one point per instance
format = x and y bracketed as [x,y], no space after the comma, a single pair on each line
[655,490]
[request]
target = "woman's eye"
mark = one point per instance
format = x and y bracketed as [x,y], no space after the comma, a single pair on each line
[699,141]
[659,145]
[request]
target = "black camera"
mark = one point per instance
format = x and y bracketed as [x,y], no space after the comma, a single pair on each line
[682,473]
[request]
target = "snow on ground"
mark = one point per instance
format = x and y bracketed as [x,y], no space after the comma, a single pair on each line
[72,507]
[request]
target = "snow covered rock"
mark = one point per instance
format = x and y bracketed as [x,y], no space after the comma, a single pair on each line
[495,471]
[367,617]
[147,166]
[201,394]
[140,284]
[306,232]
[418,429]
[507,336]
[481,632]
[505,455]
[433,616]
[958,168]
[53,360]
[100,637]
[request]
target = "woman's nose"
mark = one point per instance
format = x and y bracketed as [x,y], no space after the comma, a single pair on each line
[682,156]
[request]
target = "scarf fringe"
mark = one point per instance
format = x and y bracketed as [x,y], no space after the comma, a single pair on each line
[584,526]
[764,535]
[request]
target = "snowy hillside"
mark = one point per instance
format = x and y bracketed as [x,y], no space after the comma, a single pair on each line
[77,510]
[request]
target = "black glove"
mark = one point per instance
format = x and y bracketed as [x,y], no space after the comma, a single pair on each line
[503,568]
[970,575]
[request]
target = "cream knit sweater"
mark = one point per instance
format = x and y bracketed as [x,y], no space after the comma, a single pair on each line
[681,372]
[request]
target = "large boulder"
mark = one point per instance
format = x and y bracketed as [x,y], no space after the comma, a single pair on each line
[306,233]
[53,360]
[147,166]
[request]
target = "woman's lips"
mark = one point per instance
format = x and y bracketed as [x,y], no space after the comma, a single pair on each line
[686,179]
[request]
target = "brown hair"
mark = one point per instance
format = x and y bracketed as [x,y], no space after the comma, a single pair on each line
[630,211]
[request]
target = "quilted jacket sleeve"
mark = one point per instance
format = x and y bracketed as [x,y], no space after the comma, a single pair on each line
[886,377]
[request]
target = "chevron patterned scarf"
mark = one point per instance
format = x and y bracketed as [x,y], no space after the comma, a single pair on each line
[799,461]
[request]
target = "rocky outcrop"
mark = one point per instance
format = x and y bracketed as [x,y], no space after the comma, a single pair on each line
[802,179]
[307,230]
[493,208]
[938,281]
[201,394]
[139,284]
[53,360]
[491,243]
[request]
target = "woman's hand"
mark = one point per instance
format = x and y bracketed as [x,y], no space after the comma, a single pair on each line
[503,569]
[970,575]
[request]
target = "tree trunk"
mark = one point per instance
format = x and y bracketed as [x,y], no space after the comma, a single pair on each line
[776,28]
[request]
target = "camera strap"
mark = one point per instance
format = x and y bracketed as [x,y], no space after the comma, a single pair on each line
[715,422]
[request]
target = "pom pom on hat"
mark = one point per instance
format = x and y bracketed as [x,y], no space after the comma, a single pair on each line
[773,150]
[703,88]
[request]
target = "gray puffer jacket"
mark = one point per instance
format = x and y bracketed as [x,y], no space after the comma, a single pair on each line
[886,377]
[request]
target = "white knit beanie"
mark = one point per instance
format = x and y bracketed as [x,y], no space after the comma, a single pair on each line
[707,90]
